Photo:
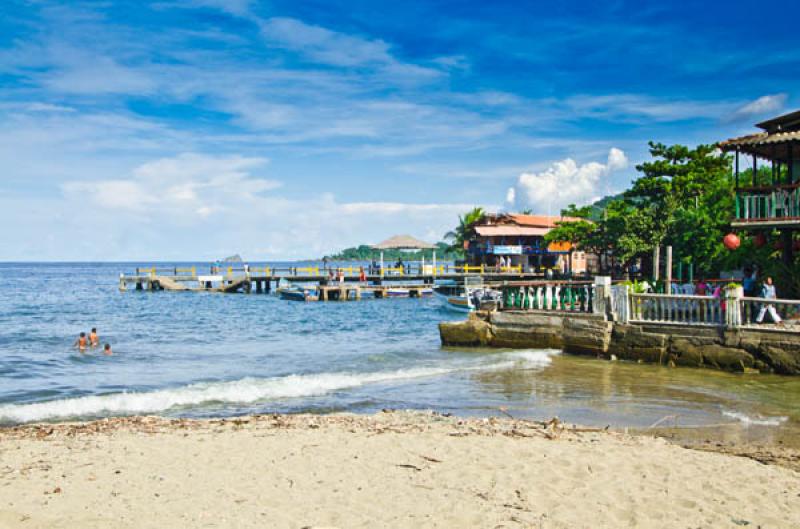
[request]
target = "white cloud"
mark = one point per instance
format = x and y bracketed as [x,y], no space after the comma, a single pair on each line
[193,206]
[325,46]
[762,105]
[642,108]
[563,183]
[184,186]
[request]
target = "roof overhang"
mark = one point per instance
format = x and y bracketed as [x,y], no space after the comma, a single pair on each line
[510,231]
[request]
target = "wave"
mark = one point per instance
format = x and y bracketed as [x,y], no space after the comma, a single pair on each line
[755,421]
[243,391]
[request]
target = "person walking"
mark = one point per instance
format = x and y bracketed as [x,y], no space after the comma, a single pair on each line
[768,292]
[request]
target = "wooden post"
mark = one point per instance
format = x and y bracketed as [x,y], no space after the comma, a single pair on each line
[755,169]
[736,171]
[668,272]
[656,263]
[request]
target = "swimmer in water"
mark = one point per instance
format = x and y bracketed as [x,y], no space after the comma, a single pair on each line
[80,343]
[94,340]
[107,349]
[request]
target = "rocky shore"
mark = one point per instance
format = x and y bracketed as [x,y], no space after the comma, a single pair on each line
[768,350]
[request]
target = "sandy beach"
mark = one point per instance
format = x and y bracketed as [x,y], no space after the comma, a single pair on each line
[393,469]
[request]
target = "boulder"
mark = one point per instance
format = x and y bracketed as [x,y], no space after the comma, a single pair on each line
[472,332]
[727,358]
[781,360]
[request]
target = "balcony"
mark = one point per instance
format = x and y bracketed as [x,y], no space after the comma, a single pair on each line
[767,207]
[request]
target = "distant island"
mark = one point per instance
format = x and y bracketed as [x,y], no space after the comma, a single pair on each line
[368,253]
[233,259]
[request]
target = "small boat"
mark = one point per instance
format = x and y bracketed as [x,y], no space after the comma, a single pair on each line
[399,292]
[473,299]
[298,294]
[459,303]
[447,289]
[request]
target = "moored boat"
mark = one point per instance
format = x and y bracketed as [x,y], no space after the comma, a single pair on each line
[298,294]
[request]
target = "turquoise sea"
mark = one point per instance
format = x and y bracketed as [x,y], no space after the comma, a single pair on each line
[211,355]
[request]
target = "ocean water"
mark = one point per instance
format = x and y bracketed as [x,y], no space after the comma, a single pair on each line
[211,355]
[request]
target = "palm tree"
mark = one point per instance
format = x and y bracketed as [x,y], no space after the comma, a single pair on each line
[464,230]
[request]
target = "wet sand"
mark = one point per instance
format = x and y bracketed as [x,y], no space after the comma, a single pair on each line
[394,469]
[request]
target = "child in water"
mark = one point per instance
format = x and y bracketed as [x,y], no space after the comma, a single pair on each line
[80,343]
[107,350]
[94,340]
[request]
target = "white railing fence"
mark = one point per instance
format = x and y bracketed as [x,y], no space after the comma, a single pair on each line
[755,311]
[667,308]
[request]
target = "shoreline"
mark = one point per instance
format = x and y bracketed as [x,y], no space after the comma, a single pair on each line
[395,469]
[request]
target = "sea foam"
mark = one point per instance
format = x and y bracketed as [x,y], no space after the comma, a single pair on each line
[755,421]
[246,390]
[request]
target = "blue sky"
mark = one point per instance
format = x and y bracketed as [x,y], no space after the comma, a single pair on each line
[193,129]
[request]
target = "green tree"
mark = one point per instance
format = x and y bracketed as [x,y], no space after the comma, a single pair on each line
[465,229]
[676,179]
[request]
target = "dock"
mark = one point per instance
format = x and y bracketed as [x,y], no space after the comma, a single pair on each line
[379,283]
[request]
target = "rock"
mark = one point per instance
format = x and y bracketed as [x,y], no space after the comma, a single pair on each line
[686,353]
[782,360]
[471,332]
[727,358]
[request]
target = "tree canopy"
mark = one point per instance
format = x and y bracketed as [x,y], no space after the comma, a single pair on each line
[683,197]
[464,230]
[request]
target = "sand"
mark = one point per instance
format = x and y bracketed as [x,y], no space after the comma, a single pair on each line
[397,469]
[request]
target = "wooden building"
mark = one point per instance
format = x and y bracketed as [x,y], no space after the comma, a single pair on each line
[519,240]
[764,206]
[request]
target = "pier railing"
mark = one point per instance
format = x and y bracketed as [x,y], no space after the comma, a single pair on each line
[549,296]
[238,271]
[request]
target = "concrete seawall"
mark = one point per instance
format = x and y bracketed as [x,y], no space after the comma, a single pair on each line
[768,351]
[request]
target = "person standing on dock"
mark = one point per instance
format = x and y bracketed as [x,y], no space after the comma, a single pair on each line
[341,276]
[362,277]
[768,292]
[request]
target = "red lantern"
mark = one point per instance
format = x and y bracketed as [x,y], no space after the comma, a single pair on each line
[778,245]
[759,240]
[731,241]
[796,246]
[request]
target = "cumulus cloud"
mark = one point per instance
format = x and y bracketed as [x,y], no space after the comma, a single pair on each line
[186,185]
[762,105]
[563,183]
[194,206]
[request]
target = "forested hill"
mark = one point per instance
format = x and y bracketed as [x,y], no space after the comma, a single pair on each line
[367,253]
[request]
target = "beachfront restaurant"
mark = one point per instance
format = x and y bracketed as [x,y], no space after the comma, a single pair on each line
[768,202]
[519,240]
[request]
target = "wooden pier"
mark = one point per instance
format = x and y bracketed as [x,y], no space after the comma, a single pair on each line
[259,280]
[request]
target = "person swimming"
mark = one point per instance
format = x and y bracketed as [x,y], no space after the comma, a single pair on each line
[80,343]
[94,340]
[107,350]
